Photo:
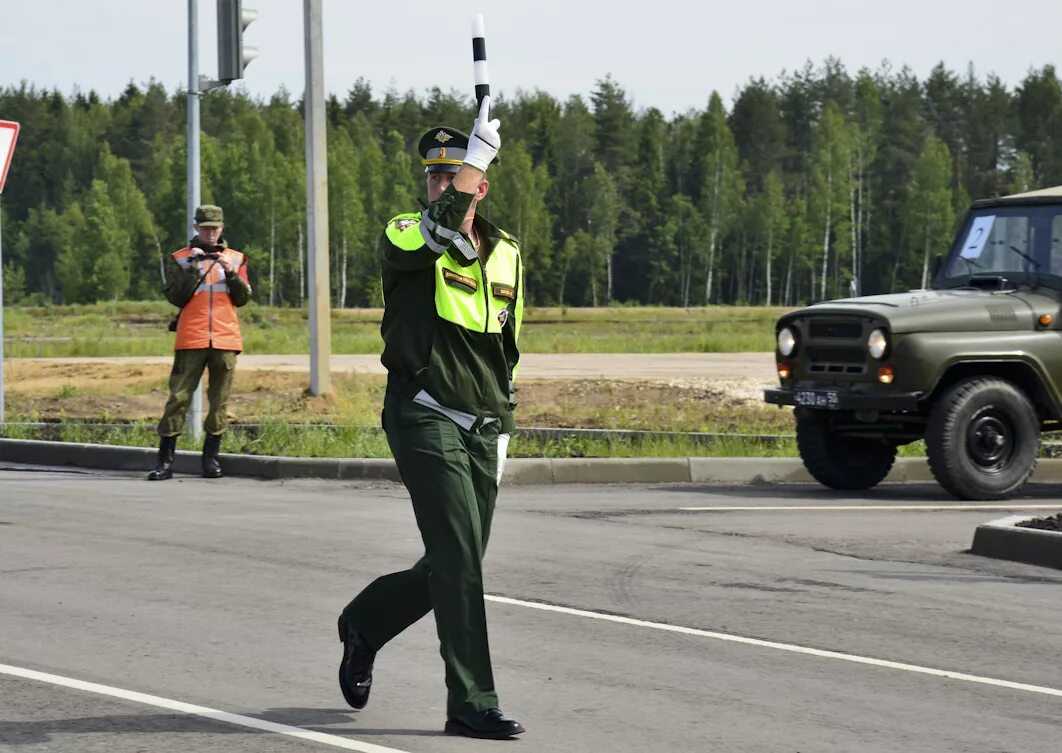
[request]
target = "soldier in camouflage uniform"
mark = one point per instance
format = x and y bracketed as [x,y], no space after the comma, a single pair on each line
[207,282]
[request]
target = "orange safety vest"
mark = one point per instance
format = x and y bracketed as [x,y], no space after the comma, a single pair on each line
[209,319]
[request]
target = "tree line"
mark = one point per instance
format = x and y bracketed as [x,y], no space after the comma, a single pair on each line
[813,185]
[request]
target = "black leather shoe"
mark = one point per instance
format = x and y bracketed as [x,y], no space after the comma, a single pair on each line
[490,724]
[355,669]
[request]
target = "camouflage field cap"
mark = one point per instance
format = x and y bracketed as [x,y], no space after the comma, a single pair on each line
[442,149]
[209,215]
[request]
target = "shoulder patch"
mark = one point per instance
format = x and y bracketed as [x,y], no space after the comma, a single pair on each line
[402,232]
[404,221]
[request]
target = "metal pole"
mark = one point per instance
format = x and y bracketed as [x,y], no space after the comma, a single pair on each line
[194,419]
[2,421]
[317,202]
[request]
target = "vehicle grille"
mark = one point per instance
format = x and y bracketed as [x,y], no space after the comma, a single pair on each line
[848,330]
[836,361]
[835,347]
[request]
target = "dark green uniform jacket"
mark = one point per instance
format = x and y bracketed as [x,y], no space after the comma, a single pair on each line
[451,321]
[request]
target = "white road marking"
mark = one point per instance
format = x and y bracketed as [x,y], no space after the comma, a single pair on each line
[345,743]
[820,508]
[335,741]
[779,646]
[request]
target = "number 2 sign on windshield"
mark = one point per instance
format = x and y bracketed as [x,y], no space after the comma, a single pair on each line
[975,239]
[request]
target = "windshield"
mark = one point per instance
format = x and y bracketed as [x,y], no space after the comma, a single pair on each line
[1019,243]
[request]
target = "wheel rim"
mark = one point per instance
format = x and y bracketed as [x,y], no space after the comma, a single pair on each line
[990,441]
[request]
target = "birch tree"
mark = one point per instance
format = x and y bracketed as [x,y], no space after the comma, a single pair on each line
[865,132]
[517,202]
[771,224]
[603,209]
[721,184]
[830,197]
[928,207]
[346,210]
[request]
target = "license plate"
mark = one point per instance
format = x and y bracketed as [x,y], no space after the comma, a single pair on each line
[817,399]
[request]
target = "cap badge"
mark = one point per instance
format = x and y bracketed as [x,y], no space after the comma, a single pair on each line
[442,137]
[442,152]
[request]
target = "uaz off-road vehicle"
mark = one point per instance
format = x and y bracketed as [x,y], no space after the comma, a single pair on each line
[973,365]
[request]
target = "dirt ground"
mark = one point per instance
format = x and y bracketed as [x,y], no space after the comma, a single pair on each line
[126,392]
[120,392]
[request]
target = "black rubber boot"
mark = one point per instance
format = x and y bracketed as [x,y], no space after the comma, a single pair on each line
[164,467]
[211,464]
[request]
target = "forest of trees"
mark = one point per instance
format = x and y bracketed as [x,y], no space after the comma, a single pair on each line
[815,185]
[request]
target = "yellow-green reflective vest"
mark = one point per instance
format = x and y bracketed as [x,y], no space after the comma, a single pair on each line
[476,296]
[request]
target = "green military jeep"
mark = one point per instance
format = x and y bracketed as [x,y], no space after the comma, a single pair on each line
[973,365]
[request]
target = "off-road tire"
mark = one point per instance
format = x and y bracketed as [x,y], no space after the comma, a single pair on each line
[838,461]
[983,439]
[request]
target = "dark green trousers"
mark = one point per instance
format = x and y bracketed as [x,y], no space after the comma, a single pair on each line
[188,367]
[451,476]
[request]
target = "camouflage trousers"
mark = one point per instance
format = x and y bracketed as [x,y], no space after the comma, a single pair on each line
[188,367]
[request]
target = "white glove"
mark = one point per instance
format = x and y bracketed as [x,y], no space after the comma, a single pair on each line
[484,143]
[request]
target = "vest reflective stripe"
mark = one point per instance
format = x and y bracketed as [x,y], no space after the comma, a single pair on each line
[404,232]
[468,298]
[502,269]
[209,320]
[519,310]
[428,228]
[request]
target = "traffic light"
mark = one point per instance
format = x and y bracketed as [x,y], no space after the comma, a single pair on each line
[233,55]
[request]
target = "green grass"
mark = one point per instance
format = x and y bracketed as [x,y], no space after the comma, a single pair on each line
[290,440]
[133,435]
[138,328]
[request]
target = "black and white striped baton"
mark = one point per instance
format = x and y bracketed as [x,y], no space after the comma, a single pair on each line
[479,59]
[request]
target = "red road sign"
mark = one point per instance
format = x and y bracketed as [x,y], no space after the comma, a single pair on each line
[8,136]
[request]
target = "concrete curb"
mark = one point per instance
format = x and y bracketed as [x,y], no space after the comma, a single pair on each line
[121,458]
[1004,539]
[517,470]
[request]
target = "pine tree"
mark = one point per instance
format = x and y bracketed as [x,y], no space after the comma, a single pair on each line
[614,134]
[105,246]
[759,132]
[1039,106]
[131,210]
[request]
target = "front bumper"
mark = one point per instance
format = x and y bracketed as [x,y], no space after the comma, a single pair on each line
[835,399]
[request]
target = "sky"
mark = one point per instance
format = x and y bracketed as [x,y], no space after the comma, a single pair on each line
[668,54]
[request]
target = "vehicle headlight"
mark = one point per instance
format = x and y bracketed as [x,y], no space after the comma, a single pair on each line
[787,341]
[878,343]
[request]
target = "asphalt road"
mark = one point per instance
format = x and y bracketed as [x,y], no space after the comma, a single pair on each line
[619,621]
[532,365]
